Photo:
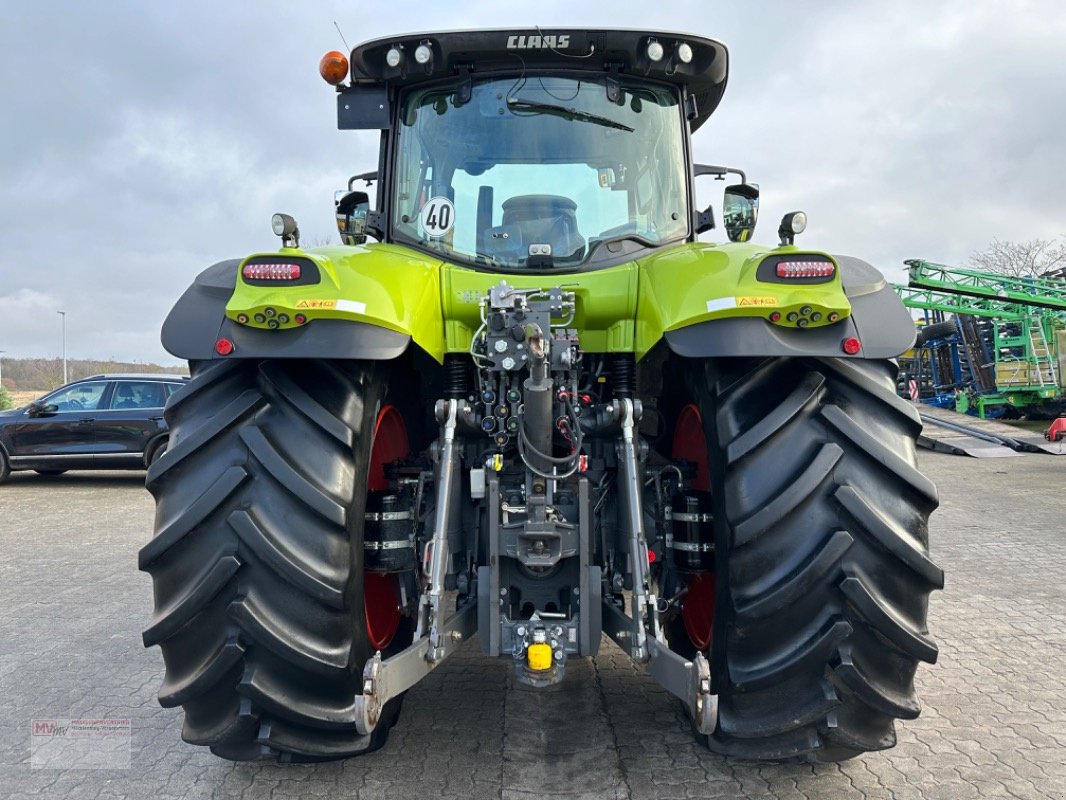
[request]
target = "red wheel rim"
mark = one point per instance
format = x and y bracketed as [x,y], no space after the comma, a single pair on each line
[691,445]
[381,597]
[390,444]
[697,607]
[381,593]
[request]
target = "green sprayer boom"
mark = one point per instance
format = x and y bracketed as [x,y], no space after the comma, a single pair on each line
[1041,292]
[954,303]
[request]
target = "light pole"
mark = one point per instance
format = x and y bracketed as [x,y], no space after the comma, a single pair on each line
[63,314]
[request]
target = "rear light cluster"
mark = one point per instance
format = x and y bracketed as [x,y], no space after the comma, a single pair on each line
[271,272]
[805,269]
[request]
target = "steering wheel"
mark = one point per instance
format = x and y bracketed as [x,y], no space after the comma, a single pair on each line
[75,403]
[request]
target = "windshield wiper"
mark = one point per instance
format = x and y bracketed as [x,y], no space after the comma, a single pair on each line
[566,113]
[623,237]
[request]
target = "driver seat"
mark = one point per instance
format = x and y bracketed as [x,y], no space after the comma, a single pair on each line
[124,397]
[545,219]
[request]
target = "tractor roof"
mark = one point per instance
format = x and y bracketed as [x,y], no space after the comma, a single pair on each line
[602,51]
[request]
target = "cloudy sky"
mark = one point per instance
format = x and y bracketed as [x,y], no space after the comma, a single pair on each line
[141,142]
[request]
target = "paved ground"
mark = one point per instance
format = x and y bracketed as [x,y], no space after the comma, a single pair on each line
[72,605]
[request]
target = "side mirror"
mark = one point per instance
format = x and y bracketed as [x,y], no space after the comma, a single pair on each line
[740,211]
[353,208]
[39,410]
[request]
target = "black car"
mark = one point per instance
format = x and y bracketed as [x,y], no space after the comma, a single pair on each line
[102,422]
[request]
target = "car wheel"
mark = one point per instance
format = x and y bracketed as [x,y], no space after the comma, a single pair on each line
[5,468]
[157,452]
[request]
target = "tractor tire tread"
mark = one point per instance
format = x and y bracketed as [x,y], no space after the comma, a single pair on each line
[264,649]
[823,587]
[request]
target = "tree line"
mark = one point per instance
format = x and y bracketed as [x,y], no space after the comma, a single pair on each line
[44,374]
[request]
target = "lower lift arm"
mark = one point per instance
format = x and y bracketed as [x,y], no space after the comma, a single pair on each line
[688,680]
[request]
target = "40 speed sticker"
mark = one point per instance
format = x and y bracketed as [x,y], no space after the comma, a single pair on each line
[436,217]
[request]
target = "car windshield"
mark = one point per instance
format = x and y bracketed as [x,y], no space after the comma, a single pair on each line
[80,397]
[538,171]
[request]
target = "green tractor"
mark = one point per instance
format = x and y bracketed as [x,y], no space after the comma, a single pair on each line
[538,409]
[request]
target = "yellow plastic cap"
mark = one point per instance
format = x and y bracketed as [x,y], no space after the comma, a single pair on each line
[539,657]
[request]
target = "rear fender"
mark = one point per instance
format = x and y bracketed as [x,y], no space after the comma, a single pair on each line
[369,302]
[723,310]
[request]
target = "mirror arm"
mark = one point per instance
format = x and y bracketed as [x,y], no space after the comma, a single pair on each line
[369,177]
[718,172]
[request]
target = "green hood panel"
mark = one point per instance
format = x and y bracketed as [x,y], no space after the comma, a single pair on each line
[606,303]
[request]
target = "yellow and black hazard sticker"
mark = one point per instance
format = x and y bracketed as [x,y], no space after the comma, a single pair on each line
[316,303]
[756,301]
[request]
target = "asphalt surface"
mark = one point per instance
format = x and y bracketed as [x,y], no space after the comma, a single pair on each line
[72,605]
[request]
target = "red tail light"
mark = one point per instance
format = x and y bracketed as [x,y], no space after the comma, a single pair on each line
[271,272]
[805,269]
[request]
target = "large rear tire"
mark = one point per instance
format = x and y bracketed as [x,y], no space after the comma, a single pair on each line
[257,559]
[821,540]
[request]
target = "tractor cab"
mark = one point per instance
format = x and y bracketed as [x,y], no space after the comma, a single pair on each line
[515,151]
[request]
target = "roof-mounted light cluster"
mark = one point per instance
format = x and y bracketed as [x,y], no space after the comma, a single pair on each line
[697,64]
[281,271]
[656,52]
[805,269]
[395,55]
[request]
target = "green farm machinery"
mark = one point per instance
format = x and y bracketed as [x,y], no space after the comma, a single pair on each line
[522,400]
[991,343]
